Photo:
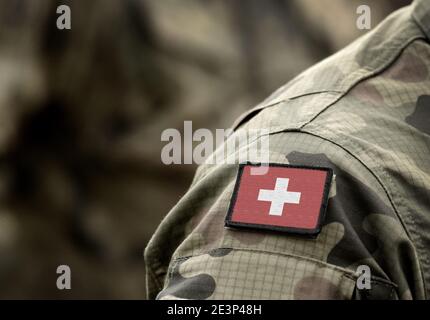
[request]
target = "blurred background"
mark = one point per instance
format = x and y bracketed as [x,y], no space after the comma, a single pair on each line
[82,111]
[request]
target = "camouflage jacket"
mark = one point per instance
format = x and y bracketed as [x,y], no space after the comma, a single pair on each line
[365,113]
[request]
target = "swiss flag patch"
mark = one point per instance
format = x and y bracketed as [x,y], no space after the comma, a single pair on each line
[285,198]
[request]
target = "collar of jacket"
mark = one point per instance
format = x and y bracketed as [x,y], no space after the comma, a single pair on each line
[421,13]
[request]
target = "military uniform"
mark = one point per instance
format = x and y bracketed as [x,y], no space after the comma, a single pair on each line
[364,113]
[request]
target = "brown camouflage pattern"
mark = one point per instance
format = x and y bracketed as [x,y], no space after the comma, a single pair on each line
[365,112]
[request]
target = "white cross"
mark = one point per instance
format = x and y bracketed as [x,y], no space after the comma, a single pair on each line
[279,196]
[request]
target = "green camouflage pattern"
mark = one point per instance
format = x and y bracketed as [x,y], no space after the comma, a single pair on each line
[364,112]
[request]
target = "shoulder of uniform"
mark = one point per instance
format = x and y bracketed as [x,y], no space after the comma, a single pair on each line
[320,86]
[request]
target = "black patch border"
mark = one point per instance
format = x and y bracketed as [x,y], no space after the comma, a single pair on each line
[290,230]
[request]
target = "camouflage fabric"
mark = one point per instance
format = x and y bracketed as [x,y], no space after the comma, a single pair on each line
[365,112]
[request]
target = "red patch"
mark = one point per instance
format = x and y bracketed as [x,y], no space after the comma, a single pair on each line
[286,198]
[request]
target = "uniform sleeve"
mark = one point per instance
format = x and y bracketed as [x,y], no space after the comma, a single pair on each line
[194,256]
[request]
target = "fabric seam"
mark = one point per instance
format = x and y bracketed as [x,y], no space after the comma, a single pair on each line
[345,272]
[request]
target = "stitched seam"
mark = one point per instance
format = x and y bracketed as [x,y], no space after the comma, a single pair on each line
[371,74]
[284,254]
[345,272]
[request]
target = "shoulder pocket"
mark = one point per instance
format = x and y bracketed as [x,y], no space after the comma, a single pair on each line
[248,274]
